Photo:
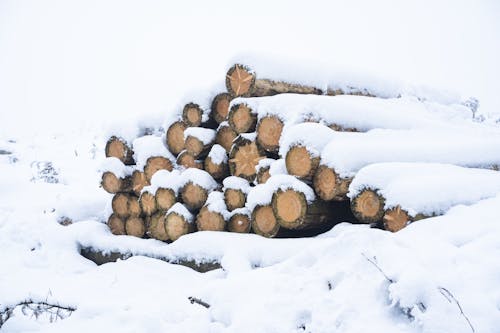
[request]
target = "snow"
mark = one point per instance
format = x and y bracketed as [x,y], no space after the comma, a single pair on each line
[471,146]
[264,163]
[114,165]
[201,96]
[205,135]
[249,136]
[241,211]
[198,177]
[302,134]
[262,194]
[217,154]
[164,179]
[359,112]
[150,146]
[215,203]
[236,183]
[181,210]
[427,188]
[278,167]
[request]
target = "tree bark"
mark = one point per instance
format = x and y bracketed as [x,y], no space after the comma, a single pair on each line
[176,226]
[368,206]
[113,184]
[193,196]
[225,137]
[269,131]
[117,147]
[300,162]
[264,222]
[244,157]
[175,137]
[207,220]
[187,160]
[116,225]
[241,118]
[156,163]
[234,199]
[220,107]
[329,186]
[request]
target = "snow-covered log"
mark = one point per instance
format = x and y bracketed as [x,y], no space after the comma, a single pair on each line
[165,187]
[398,193]
[216,162]
[347,153]
[235,192]
[117,147]
[116,225]
[220,107]
[213,215]
[156,226]
[301,146]
[178,221]
[241,118]
[151,154]
[263,170]
[194,188]
[199,140]
[135,226]
[187,160]
[240,220]
[175,137]
[244,156]
[113,184]
[225,136]
[139,181]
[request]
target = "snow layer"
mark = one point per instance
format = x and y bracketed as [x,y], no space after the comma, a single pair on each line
[218,154]
[359,112]
[242,211]
[181,210]
[426,188]
[473,147]
[314,136]
[237,183]
[203,97]
[278,167]
[114,165]
[164,179]
[198,177]
[262,194]
[215,203]
[205,135]
[148,146]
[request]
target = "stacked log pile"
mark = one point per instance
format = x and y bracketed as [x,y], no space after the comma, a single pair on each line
[257,161]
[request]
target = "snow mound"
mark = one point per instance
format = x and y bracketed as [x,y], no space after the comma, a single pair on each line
[218,154]
[181,210]
[198,177]
[314,136]
[150,146]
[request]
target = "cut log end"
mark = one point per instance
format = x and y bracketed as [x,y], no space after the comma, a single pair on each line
[116,147]
[329,186]
[264,222]
[135,226]
[176,226]
[220,107]
[116,225]
[263,175]
[196,147]
[240,80]
[269,132]
[175,137]
[240,223]
[134,207]
[241,119]
[244,157]
[290,208]
[187,160]
[148,203]
[139,180]
[193,196]
[156,228]
[113,184]
[217,171]
[300,163]
[119,204]
[192,115]
[207,220]
[156,163]
[165,198]
[368,206]
[234,199]
[396,219]
[225,137]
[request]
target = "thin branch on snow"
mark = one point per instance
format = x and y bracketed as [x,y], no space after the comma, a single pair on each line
[198,301]
[373,261]
[449,297]
[36,309]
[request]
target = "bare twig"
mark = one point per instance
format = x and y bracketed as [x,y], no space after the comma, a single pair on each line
[36,309]
[449,297]
[373,261]
[198,301]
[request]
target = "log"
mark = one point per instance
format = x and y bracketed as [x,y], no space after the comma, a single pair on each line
[178,222]
[300,162]
[269,131]
[148,203]
[368,206]
[134,207]
[193,196]
[263,175]
[225,136]
[216,163]
[329,186]
[293,212]
[240,221]
[207,220]
[244,157]
[165,198]
[139,181]
[135,226]
[198,141]
[117,147]
[242,81]
[234,198]
[175,137]
[220,107]
[264,222]
[120,205]
[241,118]
[156,163]
[156,227]
[116,224]
[113,184]
[395,219]
[187,160]
[192,115]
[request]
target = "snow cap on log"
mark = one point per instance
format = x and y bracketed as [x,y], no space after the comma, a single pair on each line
[150,146]
[164,179]
[313,136]
[180,210]
[218,154]
[117,167]
[236,183]
[198,177]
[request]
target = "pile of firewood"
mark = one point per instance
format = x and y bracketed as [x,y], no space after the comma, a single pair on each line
[225,168]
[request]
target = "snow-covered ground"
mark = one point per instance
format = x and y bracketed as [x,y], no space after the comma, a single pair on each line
[73,72]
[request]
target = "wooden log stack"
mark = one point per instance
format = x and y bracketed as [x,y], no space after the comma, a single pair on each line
[257,161]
